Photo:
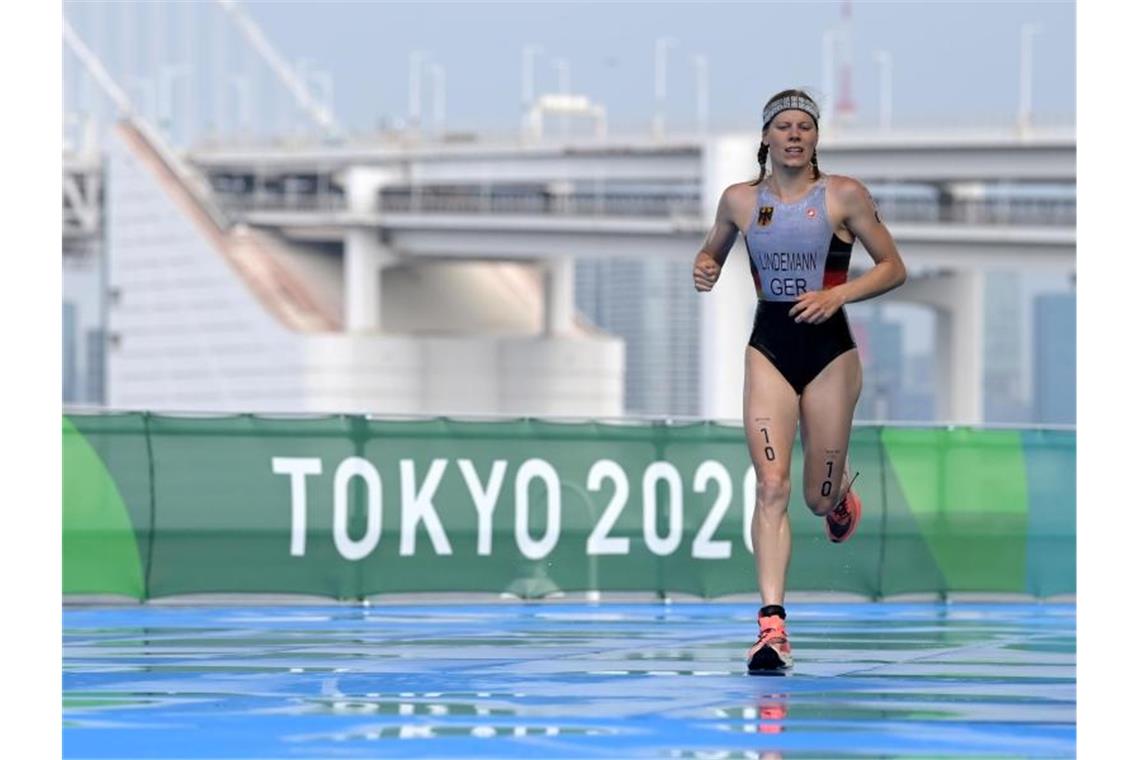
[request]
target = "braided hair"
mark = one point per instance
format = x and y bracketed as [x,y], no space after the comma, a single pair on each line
[762,154]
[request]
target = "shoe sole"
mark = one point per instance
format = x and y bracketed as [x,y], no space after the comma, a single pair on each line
[767,661]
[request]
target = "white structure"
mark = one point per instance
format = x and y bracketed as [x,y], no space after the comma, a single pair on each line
[404,283]
[240,319]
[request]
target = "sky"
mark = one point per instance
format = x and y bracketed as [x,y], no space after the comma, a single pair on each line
[952,62]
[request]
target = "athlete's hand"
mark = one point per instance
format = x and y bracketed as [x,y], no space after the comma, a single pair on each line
[706,271]
[817,306]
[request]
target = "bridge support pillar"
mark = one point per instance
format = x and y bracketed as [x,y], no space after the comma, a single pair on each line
[364,260]
[558,297]
[727,312]
[365,255]
[958,298]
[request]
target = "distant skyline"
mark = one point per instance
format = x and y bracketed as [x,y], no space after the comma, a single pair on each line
[951,63]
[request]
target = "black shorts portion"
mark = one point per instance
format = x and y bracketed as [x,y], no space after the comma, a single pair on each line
[800,350]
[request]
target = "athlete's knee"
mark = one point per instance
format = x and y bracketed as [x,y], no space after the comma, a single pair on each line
[772,492]
[820,504]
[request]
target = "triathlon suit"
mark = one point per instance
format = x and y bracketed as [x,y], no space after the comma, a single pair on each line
[792,250]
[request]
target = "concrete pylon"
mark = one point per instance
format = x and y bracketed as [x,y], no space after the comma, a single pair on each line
[365,258]
[365,255]
[726,313]
[958,299]
[558,297]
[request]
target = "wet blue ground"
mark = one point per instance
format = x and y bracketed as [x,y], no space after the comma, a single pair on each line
[567,681]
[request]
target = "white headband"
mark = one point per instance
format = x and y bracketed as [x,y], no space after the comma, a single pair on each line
[788,103]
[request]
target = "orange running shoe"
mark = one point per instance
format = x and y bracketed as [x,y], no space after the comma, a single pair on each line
[772,652]
[840,522]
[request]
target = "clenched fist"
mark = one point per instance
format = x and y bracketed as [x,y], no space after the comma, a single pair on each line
[706,271]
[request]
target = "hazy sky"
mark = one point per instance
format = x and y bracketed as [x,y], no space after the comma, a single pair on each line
[955,62]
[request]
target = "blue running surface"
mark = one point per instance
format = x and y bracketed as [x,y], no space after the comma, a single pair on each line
[561,680]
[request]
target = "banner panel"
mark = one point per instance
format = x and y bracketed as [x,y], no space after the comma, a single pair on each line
[346,507]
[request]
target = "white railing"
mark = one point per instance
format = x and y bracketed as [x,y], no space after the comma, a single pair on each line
[1052,212]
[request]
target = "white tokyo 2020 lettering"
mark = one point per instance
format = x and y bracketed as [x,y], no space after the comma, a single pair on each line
[537,486]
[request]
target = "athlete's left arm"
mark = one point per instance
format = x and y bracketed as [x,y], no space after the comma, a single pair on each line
[861,217]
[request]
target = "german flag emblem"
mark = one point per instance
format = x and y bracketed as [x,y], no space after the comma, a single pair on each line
[765,217]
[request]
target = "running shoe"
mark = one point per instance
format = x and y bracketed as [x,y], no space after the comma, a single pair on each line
[771,653]
[841,521]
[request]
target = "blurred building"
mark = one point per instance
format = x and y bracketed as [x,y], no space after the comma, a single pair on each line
[897,385]
[1007,379]
[916,400]
[883,363]
[84,264]
[1055,358]
[209,314]
[653,307]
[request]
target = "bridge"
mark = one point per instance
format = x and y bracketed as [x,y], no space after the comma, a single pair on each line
[957,205]
[294,276]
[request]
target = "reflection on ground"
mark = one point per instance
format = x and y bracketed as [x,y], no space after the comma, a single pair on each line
[649,680]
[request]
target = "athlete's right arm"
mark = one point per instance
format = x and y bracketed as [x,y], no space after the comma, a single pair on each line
[714,251]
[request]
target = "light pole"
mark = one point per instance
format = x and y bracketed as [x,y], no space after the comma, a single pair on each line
[661,47]
[242,85]
[884,59]
[189,35]
[529,52]
[701,63]
[167,73]
[828,75]
[416,59]
[297,121]
[563,67]
[325,81]
[147,88]
[439,84]
[1028,31]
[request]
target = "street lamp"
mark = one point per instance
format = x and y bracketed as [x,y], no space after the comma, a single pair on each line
[661,47]
[1028,31]
[529,52]
[828,66]
[563,67]
[416,59]
[244,89]
[167,73]
[884,59]
[325,81]
[439,91]
[701,63]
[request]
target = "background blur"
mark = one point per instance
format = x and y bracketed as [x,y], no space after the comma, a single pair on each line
[492,208]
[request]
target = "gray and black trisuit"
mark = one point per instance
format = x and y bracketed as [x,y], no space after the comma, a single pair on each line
[792,250]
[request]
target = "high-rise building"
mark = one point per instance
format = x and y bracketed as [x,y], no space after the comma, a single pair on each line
[1055,358]
[1005,382]
[653,307]
[881,343]
[83,323]
[917,401]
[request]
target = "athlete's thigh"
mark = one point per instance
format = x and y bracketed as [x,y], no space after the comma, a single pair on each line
[826,410]
[770,412]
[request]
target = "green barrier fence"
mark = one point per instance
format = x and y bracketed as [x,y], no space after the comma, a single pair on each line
[347,506]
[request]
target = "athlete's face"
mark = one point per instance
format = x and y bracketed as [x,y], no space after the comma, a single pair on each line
[791,138]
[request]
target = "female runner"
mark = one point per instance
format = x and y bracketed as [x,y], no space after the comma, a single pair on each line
[801,363]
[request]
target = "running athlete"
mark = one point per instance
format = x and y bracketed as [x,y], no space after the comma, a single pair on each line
[801,364]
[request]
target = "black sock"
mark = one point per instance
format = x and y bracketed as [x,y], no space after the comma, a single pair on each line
[773,609]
